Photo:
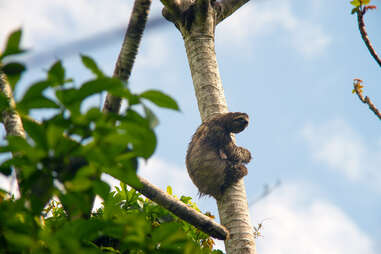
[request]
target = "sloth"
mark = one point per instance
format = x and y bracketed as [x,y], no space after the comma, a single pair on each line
[213,161]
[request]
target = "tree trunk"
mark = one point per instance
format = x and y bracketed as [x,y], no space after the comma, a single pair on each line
[196,21]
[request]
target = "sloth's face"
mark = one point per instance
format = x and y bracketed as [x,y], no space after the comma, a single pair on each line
[239,123]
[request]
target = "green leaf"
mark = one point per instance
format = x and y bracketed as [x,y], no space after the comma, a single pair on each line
[127,176]
[36,131]
[160,99]
[6,167]
[36,90]
[13,71]
[71,95]
[355,3]
[101,188]
[36,103]
[185,199]
[92,66]
[68,97]
[142,138]
[13,44]
[18,239]
[358,3]
[355,10]
[169,190]
[17,144]
[56,74]
[4,102]
[13,68]
[151,117]
[53,134]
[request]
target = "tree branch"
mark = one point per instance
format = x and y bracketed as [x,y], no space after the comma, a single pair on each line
[364,35]
[181,210]
[357,88]
[129,50]
[225,8]
[173,7]
[10,118]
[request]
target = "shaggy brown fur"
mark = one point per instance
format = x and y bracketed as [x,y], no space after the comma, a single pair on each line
[213,161]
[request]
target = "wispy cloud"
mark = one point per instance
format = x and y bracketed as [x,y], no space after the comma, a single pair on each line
[268,18]
[47,22]
[295,223]
[337,145]
[163,173]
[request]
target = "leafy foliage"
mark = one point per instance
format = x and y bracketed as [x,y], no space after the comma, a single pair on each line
[361,6]
[64,156]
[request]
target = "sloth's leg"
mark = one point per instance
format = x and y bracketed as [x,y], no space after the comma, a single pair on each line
[233,172]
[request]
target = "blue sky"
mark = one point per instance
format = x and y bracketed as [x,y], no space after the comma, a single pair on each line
[289,64]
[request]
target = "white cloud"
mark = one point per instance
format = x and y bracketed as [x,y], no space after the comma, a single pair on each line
[264,18]
[294,223]
[163,173]
[154,52]
[336,144]
[47,22]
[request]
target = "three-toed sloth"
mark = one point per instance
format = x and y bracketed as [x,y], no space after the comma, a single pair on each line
[213,161]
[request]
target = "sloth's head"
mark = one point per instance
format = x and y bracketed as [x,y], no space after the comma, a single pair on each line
[237,122]
[232,122]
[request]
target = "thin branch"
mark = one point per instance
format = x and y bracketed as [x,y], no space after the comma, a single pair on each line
[364,35]
[267,190]
[225,8]
[357,88]
[181,210]
[129,50]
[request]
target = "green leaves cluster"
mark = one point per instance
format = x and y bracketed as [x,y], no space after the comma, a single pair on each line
[64,156]
[361,6]
[357,3]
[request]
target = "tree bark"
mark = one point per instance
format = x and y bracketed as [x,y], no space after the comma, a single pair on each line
[129,50]
[181,210]
[196,20]
[10,118]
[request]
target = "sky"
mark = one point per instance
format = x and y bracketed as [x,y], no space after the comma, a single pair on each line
[290,65]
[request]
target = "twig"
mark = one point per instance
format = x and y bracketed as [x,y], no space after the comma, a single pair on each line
[364,34]
[267,190]
[357,88]
[129,50]
[181,210]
